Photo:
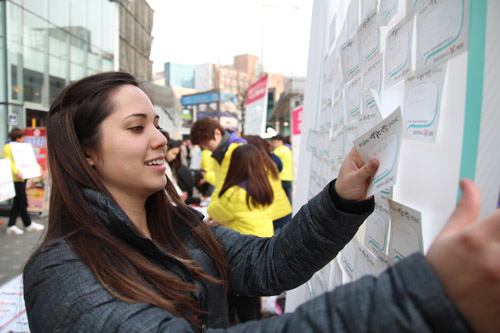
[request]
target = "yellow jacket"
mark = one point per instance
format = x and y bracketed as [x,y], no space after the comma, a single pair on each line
[285,154]
[7,153]
[220,175]
[281,205]
[210,166]
[231,211]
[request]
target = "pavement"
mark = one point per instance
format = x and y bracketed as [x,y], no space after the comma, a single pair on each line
[14,252]
[16,249]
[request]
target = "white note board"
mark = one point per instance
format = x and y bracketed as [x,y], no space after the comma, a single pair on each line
[467,139]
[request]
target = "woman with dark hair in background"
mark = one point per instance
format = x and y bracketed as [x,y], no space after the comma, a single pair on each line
[244,205]
[281,211]
[123,253]
[182,176]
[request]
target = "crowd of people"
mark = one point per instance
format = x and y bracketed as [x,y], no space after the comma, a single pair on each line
[124,251]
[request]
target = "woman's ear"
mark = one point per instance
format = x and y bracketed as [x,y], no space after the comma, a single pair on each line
[90,158]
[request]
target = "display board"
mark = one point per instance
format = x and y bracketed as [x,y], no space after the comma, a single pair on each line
[402,80]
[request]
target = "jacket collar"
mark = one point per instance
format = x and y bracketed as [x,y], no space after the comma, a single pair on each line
[221,149]
[115,219]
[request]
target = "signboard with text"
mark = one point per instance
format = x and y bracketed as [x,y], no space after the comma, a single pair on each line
[256,108]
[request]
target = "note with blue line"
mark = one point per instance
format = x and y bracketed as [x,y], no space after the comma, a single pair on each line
[382,142]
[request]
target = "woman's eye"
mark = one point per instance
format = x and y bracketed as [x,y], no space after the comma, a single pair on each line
[137,128]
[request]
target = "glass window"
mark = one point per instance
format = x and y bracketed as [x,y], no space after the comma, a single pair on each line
[58,43]
[107,63]
[78,14]
[94,62]
[58,61]
[34,55]
[38,7]
[3,77]
[108,27]
[56,85]
[94,22]
[78,51]
[59,13]
[76,72]
[14,52]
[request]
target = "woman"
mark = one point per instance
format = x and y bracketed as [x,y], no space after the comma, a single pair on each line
[123,253]
[179,174]
[245,198]
[282,210]
[20,202]
[244,205]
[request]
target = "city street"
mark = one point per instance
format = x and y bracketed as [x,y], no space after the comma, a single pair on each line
[16,249]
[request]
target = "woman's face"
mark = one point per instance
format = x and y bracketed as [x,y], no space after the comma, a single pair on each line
[172,154]
[130,157]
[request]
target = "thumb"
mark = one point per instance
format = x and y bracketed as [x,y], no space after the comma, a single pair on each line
[369,168]
[467,210]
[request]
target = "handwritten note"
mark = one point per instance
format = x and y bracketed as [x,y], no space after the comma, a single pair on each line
[7,189]
[353,98]
[442,32]
[352,20]
[372,79]
[382,142]
[398,52]
[377,225]
[422,103]
[369,39]
[25,159]
[349,55]
[406,231]
[388,8]
[348,258]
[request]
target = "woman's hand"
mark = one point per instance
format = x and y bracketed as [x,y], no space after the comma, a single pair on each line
[466,258]
[355,176]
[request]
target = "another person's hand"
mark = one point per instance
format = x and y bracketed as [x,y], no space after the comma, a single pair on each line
[183,196]
[19,175]
[466,257]
[355,176]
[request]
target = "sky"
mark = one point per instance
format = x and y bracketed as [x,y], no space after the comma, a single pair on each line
[194,32]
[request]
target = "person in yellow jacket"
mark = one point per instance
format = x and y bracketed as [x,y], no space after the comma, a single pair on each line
[20,202]
[209,134]
[284,152]
[281,209]
[243,204]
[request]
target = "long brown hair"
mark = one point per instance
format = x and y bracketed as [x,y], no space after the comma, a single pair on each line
[246,167]
[73,127]
[264,149]
[176,163]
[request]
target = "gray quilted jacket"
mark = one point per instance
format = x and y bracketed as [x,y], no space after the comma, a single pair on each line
[62,295]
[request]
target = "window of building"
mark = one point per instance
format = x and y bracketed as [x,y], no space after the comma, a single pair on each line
[38,7]
[59,13]
[35,37]
[14,51]
[3,81]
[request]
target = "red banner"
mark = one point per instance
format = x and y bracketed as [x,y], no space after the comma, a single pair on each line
[257,90]
[297,120]
[38,139]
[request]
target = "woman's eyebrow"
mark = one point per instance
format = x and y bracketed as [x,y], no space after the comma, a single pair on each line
[142,115]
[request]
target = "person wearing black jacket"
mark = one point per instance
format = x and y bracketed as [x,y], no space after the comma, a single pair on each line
[182,175]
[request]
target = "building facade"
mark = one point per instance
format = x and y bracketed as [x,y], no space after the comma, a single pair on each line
[46,44]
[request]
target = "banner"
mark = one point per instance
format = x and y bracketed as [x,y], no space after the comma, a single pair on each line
[36,189]
[297,120]
[7,189]
[256,108]
[25,159]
